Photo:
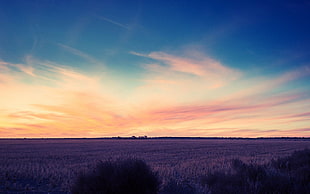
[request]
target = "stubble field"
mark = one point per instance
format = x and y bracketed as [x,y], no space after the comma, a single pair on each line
[52,165]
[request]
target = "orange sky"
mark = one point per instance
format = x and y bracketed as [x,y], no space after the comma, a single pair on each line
[190,95]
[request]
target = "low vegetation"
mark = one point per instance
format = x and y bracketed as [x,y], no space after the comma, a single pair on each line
[285,175]
[180,166]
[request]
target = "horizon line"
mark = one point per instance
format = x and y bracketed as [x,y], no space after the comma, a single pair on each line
[146,137]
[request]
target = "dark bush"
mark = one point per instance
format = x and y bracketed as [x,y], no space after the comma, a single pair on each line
[297,160]
[297,168]
[219,182]
[284,175]
[130,176]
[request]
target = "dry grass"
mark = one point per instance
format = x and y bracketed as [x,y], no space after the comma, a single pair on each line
[52,165]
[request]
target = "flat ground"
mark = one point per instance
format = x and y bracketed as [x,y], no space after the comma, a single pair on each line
[52,164]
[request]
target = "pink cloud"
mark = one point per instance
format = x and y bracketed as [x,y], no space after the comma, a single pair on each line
[211,72]
[203,66]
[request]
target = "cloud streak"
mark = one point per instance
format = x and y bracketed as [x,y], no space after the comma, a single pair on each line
[80,54]
[114,22]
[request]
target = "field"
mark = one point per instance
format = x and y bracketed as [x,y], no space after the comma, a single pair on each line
[52,165]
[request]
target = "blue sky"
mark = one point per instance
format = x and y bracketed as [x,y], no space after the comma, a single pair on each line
[236,32]
[231,45]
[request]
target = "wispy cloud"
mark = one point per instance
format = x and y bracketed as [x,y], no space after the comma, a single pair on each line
[5,66]
[114,22]
[212,72]
[81,54]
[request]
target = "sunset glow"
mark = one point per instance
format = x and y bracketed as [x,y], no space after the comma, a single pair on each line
[100,73]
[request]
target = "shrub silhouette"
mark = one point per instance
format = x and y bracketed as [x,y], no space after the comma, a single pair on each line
[284,175]
[130,176]
[297,168]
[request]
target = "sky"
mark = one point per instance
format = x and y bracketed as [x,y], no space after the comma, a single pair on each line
[156,68]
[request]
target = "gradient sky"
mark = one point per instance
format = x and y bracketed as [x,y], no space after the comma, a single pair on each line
[155,68]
